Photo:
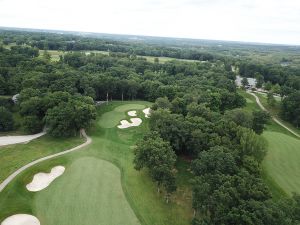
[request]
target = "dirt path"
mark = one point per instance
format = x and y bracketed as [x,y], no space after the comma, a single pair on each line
[10,140]
[273,118]
[17,172]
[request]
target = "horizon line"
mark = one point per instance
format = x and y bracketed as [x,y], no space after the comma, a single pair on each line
[152,36]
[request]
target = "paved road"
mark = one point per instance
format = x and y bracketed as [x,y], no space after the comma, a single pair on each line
[17,172]
[274,118]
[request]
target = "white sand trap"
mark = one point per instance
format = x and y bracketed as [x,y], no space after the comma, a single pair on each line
[135,122]
[132,113]
[42,180]
[21,219]
[147,112]
[9,140]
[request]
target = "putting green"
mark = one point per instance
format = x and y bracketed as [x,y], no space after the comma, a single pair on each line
[283,161]
[127,107]
[113,118]
[89,192]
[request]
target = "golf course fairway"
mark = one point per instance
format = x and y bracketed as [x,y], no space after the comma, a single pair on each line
[89,192]
[282,160]
[100,185]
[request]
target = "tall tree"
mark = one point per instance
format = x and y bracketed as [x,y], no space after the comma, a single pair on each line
[157,156]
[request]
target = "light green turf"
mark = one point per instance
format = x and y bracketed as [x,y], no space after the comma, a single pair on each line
[112,118]
[124,108]
[248,100]
[283,161]
[89,192]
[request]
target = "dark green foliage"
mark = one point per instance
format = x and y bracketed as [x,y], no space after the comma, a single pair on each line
[32,124]
[240,117]
[260,119]
[215,160]
[3,85]
[245,81]
[6,119]
[162,103]
[67,118]
[157,156]
[270,99]
[291,108]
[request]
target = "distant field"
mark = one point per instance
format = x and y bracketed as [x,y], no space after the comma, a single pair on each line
[55,56]
[166,59]
[53,53]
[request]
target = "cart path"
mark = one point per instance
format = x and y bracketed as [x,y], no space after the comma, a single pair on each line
[273,118]
[17,172]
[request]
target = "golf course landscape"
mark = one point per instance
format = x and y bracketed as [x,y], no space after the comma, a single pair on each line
[281,165]
[99,181]
[115,129]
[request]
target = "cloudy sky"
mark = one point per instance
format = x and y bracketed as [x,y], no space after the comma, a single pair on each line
[269,21]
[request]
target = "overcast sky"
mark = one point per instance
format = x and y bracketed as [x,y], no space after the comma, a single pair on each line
[269,21]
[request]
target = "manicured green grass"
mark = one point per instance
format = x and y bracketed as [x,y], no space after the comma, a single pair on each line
[112,118]
[283,161]
[89,192]
[281,165]
[115,146]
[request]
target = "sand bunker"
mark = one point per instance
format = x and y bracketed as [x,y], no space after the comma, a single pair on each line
[21,219]
[8,140]
[135,122]
[42,180]
[132,113]
[147,112]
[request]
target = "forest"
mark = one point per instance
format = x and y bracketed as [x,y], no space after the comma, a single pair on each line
[196,113]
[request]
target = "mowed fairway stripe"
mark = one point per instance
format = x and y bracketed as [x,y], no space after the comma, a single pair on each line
[283,160]
[89,193]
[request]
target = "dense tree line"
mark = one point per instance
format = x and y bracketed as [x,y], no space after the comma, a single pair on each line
[226,153]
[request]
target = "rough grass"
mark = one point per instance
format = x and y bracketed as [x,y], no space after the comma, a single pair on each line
[113,145]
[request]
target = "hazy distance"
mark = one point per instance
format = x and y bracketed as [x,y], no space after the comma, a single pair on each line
[268,21]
